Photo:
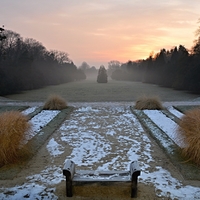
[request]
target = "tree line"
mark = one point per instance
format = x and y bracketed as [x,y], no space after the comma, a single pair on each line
[177,68]
[26,64]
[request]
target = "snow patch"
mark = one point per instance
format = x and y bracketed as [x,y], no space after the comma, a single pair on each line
[167,125]
[29,110]
[175,112]
[43,118]
[54,148]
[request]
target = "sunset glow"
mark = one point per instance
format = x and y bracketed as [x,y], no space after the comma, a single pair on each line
[100,31]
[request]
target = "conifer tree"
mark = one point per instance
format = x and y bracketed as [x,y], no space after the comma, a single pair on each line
[102,75]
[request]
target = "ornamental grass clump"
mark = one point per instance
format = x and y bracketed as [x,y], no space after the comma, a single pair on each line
[14,127]
[148,103]
[55,102]
[189,128]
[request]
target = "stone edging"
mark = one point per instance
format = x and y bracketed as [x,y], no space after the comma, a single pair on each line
[188,169]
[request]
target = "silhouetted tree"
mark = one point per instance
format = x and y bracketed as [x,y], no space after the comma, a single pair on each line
[112,66]
[182,67]
[159,65]
[91,72]
[193,74]
[196,47]
[102,75]
[84,66]
[133,72]
[2,37]
[169,70]
[80,75]
[175,68]
[127,71]
[120,75]
[26,64]
[148,73]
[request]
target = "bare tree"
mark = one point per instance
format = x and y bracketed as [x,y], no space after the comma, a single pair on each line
[112,66]
[60,56]
[84,66]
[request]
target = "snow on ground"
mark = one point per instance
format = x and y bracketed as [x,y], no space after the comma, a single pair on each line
[92,132]
[167,125]
[39,121]
[30,191]
[110,137]
[43,118]
[54,148]
[29,110]
[175,112]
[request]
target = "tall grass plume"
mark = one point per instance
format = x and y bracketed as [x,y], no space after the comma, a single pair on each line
[55,102]
[189,127]
[14,127]
[149,103]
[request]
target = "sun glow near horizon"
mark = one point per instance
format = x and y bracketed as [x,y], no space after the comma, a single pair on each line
[101,31]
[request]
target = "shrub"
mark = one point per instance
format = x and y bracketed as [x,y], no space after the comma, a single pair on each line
[14,127]
[189,127]
[149,103]
[55,102]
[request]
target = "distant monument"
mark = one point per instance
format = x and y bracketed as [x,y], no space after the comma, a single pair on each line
[102,75]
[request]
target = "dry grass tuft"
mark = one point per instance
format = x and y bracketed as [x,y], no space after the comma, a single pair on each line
[189,127]
[149,103]
[55,102]
[13,129]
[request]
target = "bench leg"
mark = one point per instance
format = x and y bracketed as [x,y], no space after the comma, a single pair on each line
[133,190]
[134,184]
[68,171]
[69,188]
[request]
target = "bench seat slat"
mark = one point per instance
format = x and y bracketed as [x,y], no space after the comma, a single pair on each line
[102,173]
[102,176]
[99,179]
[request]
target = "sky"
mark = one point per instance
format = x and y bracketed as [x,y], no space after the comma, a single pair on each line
[100,31]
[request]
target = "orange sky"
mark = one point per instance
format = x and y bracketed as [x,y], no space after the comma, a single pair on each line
[99,31]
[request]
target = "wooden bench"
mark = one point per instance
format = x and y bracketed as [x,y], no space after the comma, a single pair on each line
[86,176]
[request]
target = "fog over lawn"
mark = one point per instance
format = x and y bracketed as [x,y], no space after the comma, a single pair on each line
[90,91]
